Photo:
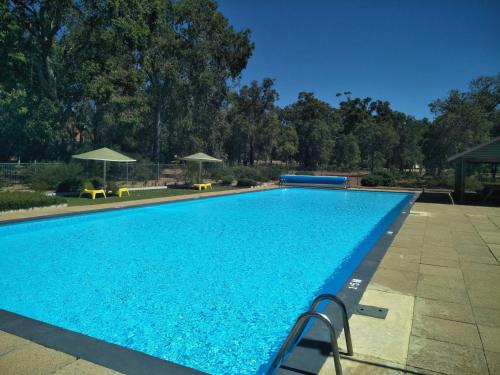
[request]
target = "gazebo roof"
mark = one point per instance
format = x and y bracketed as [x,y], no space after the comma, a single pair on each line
[104,154]
[488,152]
[201,157]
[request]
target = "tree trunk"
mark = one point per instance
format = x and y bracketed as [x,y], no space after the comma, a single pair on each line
[157,132]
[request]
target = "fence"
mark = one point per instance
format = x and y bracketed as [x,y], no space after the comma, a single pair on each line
[143,174]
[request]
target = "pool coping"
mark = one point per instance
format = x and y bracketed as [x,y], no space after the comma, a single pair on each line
[308,356]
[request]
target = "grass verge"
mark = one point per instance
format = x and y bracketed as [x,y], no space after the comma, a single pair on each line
[140,194]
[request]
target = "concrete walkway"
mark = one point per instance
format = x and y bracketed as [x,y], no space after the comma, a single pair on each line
[22,357]
[440,280]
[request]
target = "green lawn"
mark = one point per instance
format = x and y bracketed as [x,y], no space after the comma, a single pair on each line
[140,194]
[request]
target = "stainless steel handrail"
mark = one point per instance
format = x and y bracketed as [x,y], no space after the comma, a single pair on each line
[299,327]
[340,303]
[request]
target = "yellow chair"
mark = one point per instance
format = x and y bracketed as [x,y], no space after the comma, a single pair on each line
[199,186]
[121,191]
[202,186]
[93,192]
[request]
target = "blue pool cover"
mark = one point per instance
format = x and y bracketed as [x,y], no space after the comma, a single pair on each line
[314,180]
[213,284]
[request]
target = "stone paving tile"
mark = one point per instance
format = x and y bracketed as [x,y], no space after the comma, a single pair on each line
[483,275]
[438,261]
[350,367]
[10,342]
[453,273]
[467,241]
[420,371]
[82,367]
[491,237]
[448,280]
[495,249]
[33,359]
[446,357]
[484,296]
[408,243]
[487,317]
[441,252]
[446,330]
[442,292]
[384,339]
[403,282]
[415,252]
[444,310]
[399,263]
[473,250]
[491,338]
[490,259]
[493,360]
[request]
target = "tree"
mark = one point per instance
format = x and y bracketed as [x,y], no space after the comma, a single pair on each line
[255,122]
[316,124]
[347,155]
[288,143]
[462,120]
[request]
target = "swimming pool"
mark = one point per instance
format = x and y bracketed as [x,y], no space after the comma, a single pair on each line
[212,284]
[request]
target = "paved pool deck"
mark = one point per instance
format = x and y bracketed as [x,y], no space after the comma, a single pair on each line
[440,280]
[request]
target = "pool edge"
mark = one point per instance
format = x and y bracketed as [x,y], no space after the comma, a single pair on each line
[122,359]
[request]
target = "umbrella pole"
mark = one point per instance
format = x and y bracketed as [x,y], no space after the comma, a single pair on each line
[104,170]
[199,175]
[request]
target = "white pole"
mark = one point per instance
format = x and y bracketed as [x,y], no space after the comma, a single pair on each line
[104,173]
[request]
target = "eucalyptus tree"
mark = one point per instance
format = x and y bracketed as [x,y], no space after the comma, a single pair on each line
[317,125]
[462,120]
[255,122]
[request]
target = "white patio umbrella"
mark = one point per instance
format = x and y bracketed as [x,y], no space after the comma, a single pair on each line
[104,154]
[201,158]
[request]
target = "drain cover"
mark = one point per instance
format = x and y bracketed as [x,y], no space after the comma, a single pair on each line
[372,311]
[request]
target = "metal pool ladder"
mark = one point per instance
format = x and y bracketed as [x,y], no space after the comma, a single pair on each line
[300,325]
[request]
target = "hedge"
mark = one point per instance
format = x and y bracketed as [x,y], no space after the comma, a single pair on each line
[246,182]
[23,199]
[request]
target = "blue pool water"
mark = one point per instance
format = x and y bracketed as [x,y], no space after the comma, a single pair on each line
[213,284]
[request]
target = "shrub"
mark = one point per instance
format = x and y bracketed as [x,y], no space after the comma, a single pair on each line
[70,185]
[268,173]
[48,177]
[246,172]
[472,183]
[246,182]
[305,173]
[88,185]
[227,180]
[112,186]
[371,180]
[23,199]
[3,182]
[257,173]
[387,178]
[98,182]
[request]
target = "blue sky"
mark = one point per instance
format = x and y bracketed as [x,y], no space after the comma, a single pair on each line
[408,52]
